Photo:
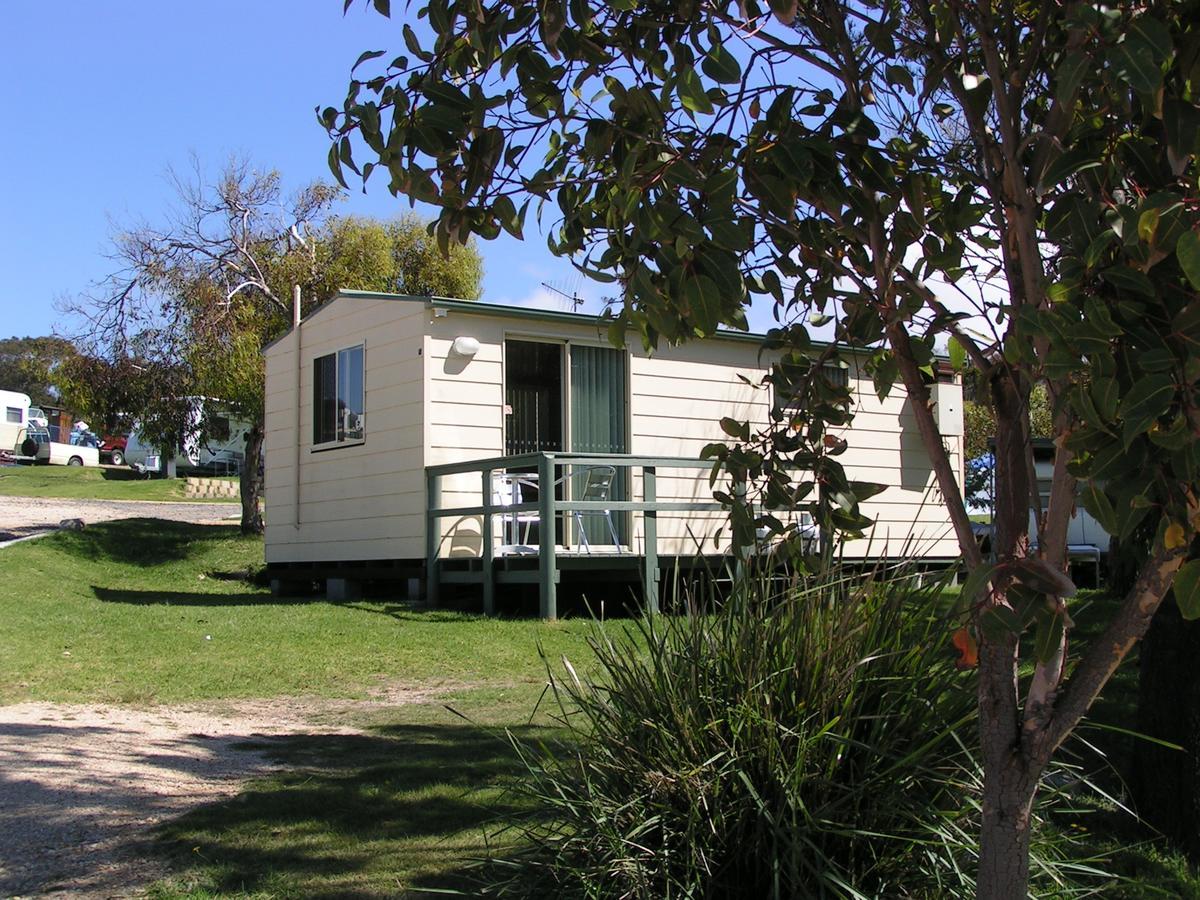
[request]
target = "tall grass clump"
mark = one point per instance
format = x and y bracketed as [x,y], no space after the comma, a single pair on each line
[809,739]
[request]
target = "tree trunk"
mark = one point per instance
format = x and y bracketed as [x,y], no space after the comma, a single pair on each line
[251,483]
[1166,782]
[1004,832]
[1009,777]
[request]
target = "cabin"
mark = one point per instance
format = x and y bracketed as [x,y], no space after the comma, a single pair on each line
[411,436]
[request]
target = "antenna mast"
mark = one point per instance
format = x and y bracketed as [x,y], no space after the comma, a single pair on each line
[573,298]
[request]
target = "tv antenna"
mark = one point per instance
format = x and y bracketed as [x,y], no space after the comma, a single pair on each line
[573,298]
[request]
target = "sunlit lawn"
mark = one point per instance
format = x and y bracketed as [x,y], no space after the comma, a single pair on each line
[98,483]
[148,612]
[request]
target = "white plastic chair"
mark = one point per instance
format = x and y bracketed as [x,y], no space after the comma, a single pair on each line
[508,490]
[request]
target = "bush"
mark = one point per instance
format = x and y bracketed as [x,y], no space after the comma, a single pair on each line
[805,744]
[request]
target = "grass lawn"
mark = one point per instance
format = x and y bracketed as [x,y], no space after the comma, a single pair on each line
[103,483]
[145,612]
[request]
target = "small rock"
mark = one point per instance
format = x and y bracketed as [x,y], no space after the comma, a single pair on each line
[71,524]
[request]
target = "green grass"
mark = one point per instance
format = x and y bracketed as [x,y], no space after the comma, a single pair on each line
[146,611]
[103,483]
[410,806]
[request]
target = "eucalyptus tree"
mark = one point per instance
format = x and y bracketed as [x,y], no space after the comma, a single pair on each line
[200,294]
[868,162]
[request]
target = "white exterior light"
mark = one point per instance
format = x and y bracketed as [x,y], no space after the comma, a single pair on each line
[465,346]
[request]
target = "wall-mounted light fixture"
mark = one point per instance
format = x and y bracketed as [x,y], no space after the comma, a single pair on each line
[465,346]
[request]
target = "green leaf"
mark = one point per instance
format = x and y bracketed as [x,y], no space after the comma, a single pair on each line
[900,77]
[1148,399]
[1096,502]
[1187,590]
[721,66]
[1049,635]
[1138,63]
[1148,225]
[1107,395]
[865,490]
[691,92]
[1129,280]
[975,583]
[1070,74]
[735,429]
[958,356]
[363,57]
[1187,251]
[1071,163]
[1095,250]
[704,302]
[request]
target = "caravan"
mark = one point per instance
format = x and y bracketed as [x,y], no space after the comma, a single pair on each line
[222,452]
[16,420]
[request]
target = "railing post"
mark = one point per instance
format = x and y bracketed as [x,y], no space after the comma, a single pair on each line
[650,533]
[489,550]
[547,563]
[433,500]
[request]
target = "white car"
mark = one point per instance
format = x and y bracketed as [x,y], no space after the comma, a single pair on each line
[57,454]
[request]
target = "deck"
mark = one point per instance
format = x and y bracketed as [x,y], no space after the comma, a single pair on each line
[500,563]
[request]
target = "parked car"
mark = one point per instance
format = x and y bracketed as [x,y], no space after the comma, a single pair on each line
[112,449]
[32,437]
[83,450]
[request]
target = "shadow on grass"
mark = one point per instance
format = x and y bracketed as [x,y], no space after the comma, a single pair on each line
[355,815]
[186,598]
[122,473]
[142,542]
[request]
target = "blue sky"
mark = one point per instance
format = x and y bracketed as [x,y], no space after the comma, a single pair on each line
[101,98]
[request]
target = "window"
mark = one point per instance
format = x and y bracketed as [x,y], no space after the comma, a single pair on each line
[338,397]
[13,414]
[834,376]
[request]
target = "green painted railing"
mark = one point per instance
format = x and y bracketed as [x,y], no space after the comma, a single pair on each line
[548,507]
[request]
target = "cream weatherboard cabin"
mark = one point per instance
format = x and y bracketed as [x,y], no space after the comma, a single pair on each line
[411,435]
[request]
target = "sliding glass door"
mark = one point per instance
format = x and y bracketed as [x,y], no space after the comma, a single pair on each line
[593,405]
[599,424]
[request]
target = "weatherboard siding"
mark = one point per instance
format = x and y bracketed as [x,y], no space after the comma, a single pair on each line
[357,502]
[426,405]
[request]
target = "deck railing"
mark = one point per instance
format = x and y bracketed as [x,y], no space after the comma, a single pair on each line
[550,469]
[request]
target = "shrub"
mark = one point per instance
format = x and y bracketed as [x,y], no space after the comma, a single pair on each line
[804,741]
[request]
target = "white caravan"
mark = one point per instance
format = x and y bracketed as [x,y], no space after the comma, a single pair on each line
[222,453]
[16,420]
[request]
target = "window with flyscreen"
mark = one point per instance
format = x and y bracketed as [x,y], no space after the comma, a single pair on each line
[338,409]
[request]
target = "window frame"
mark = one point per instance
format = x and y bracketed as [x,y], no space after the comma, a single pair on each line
[782,406]
[8,415]
[317,400]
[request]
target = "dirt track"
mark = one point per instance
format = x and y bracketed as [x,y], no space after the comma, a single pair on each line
[80,786]
[23,516]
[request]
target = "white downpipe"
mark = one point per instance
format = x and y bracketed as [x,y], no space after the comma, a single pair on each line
[299,401]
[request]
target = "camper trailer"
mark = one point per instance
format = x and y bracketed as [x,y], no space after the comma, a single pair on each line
[16,420]
[221,451]
[422,433]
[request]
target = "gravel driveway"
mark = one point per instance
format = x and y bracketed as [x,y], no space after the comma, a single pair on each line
[79,785]
[23,516]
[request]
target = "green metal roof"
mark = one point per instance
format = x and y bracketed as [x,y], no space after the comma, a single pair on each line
[479,308]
